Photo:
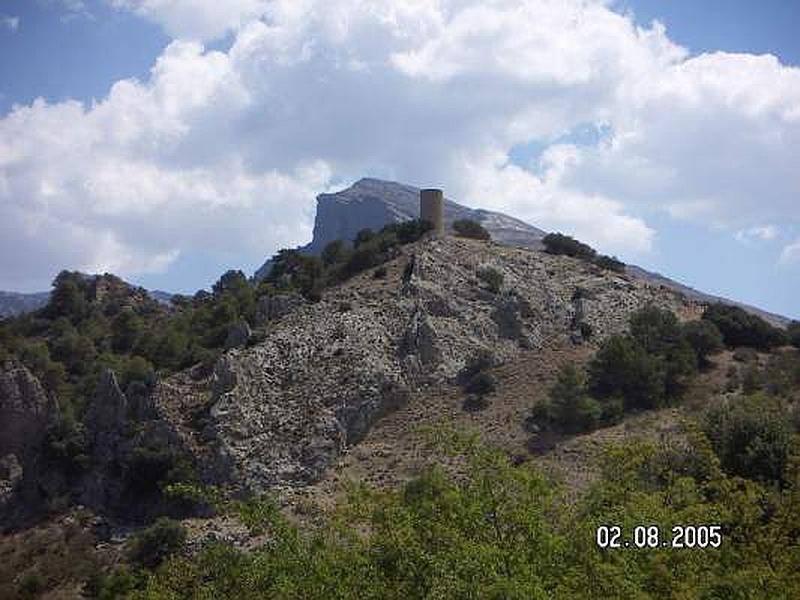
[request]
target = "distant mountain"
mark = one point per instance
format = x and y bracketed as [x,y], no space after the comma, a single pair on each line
[15,303]
[373,203]
[161,296]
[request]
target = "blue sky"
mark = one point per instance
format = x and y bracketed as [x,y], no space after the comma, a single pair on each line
[668,146]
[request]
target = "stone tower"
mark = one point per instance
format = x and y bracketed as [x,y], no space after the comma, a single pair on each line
[431,208]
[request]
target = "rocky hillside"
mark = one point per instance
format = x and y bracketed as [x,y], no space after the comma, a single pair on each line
[280,412]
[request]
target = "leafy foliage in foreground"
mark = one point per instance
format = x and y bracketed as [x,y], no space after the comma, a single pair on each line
[503,531]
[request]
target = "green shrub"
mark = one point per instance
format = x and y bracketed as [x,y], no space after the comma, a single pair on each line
[612,263]
[752,436]
[153,545]
[745,355]
[482,360]
[661,336]
[365,256]
[67,445]
[110,585]
[407,232]
[136,369]
[31,585]
[740,328]
[501,530]
[492,278]
[481,384]
[558,243]
[335,252]
[793,333]
[468,228]
[364,236]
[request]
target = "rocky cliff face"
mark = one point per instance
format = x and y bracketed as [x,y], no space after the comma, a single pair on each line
[280,412]
[26,415]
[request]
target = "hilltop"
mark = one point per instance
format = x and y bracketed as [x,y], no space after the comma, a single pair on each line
[282,411]
[372,203]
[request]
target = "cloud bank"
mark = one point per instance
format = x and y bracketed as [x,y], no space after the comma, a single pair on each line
[224,151]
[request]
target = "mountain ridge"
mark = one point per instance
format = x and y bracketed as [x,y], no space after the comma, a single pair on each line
[372,203]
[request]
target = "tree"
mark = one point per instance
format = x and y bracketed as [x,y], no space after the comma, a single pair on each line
[704,337]
[655,329]
[365,256]
[470,229]
[234,284]
[156,543]
[335,252]
[77,352]
[659,333]
[492,278]
[621,367]
[570,407]
[68,298]
[558,243]
[231,281]
[612,263]
[751,436]
[126,329]
[740,328]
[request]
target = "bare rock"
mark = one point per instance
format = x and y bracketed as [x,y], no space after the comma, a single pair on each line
[108,410]
[285,409]
[238,336]
[26,411]
[277,306]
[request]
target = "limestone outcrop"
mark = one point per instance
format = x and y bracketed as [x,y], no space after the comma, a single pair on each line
[282,410]
[27,413]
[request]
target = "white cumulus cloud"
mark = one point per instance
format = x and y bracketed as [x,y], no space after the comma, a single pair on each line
[762,233]
[223,151]
[791,253]
[196,19]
